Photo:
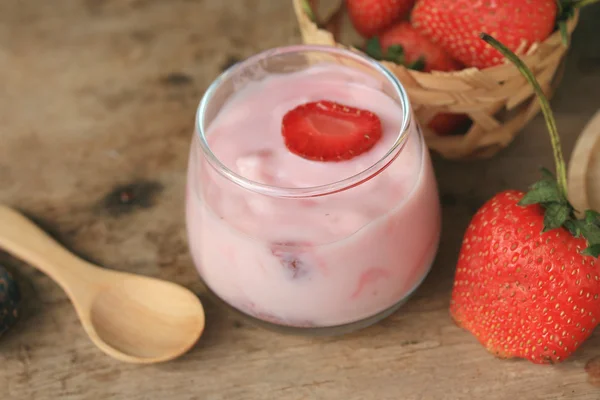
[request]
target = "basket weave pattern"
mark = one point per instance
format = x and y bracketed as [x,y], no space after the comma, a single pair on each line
[498,99]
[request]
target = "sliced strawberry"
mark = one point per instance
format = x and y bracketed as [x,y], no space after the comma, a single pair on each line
[328,131]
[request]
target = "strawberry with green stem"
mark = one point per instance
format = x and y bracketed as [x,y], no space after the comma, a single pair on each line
[527,282]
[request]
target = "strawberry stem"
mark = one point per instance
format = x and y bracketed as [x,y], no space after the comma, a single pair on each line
[550,192]
[559,160]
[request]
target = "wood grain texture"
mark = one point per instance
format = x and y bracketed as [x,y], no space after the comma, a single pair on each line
[96,114]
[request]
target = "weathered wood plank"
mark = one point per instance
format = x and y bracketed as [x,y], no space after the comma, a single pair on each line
[99,94]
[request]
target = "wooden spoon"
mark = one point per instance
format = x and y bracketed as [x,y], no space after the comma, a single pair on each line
[584,168]
[132,318]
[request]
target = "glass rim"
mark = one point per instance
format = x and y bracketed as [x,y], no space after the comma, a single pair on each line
[311,191]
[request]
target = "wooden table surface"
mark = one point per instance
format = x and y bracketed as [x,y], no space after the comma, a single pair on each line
[99,96]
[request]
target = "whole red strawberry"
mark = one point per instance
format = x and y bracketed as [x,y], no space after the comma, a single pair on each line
[527,282]
[523,292]
[416,46]
[448,123]
[371,17]
[456,24]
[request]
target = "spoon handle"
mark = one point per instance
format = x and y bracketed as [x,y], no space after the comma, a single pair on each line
[24,240]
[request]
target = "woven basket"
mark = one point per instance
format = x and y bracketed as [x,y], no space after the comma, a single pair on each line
[498,100]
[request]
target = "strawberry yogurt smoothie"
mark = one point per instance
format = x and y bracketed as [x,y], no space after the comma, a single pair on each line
[311,199]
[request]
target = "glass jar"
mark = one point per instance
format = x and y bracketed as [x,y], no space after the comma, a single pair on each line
[309,246]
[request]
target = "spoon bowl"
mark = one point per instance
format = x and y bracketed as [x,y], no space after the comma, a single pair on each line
[130,317]
[155,322]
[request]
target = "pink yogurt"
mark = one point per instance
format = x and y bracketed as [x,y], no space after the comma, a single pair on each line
[318,261]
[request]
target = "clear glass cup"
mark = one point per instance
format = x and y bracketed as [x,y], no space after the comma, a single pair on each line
[322,259]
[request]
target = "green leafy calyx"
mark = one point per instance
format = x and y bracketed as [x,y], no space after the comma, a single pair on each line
[551,192]
[394,53]
[558,212]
